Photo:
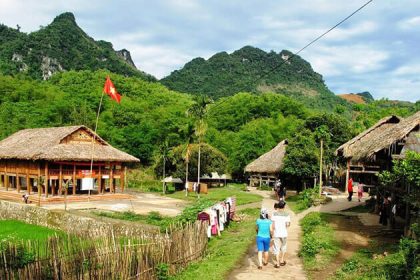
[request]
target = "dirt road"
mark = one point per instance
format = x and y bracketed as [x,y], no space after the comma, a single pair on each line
[294,267]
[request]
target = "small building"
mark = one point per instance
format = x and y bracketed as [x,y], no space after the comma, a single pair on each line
[43,160]
[266,169]
[374,149]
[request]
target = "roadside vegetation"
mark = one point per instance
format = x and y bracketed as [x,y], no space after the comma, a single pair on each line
[303,200]
[224,252]
[319,245]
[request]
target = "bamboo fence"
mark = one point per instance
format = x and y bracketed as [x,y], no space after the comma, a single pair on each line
[109,257]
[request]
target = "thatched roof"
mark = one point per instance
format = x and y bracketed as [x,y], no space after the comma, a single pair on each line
[383,135]
[270,162]
[68,143]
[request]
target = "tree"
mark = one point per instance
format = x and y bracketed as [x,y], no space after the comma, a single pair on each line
[405,172]
[199,112]
[212,160]
[302,158]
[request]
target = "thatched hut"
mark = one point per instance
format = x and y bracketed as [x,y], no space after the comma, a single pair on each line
[373,150]
[267,167]
[46,160]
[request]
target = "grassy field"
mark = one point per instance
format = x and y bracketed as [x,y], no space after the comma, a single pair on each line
[17,230]
[219,194]
[225,251]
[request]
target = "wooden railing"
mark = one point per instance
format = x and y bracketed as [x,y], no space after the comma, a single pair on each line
[66,172]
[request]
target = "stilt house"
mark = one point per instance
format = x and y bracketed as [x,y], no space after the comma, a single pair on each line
[43,160]
[374,149]
[266,169]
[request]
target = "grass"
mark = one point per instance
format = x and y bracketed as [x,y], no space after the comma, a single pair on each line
[153,218]
[17,230]
[221,193]
[225,251]
[319,245]
[372,264]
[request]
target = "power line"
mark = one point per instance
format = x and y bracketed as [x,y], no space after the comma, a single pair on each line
[309,44]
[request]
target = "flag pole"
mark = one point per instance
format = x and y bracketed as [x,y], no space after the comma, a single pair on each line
[93,141]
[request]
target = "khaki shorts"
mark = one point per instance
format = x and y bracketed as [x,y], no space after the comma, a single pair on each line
[280,245]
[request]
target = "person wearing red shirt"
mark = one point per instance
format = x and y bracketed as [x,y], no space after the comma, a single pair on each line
[350,189]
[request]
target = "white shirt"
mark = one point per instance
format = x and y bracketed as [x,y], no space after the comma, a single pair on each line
[280,220]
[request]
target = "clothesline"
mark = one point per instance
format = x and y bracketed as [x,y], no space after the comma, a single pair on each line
[218,216]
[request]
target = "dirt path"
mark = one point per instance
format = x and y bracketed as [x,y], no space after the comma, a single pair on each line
[294,267]
[142,203]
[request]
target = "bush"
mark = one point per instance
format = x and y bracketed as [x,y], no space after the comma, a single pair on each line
[310,221]
[162,271]
[189,214]
[410,250]
[310,246]
[18,257]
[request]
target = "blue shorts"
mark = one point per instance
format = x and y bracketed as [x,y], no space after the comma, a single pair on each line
[263,244]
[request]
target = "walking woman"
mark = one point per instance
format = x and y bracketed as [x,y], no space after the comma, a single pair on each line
[264,233]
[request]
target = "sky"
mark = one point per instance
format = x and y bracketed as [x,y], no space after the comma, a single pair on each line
[376,50]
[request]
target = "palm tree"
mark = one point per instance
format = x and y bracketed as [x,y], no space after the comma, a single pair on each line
[188,130]
[199,112]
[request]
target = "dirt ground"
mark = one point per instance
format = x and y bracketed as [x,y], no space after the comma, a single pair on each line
[142,203]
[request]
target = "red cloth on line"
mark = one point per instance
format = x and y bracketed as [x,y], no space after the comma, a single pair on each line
[350,185]
[110,89]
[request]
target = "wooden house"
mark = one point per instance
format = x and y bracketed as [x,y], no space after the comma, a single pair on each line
[374,149]
[266,169]
[45,160]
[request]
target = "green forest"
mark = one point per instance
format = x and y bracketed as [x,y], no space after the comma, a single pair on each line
[152,120]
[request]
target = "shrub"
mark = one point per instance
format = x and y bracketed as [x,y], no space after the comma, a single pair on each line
[410,250]
[310,246]
[310,221]
[189,214]
[162,271]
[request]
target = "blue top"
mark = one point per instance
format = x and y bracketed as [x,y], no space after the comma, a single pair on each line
[264,227]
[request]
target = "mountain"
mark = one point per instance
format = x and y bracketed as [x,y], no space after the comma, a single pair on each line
[366,96]
[60,46]
[250,69]
[357,98]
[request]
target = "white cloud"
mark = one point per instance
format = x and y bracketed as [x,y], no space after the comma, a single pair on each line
[346,60]
[158,60]
[410,23]
[408,70]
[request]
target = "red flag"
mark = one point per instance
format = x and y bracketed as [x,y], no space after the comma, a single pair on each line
[110,89]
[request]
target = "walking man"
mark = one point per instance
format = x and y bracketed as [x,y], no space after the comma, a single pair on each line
[281,221]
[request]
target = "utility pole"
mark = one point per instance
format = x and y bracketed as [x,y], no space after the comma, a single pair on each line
[320,168]
[164,167]
[199,167]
